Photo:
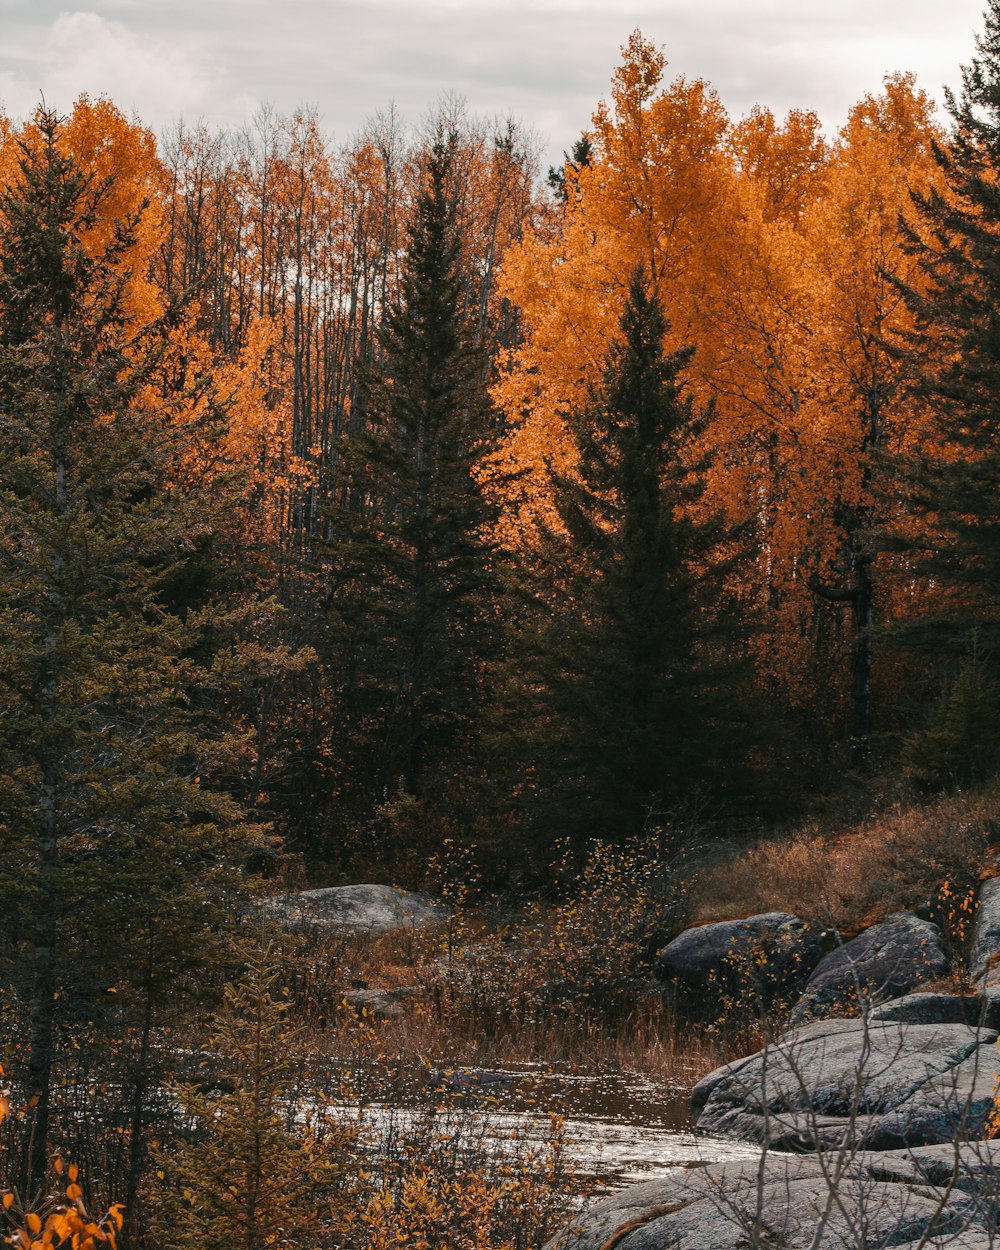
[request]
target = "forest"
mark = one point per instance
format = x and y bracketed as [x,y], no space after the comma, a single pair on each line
[393,512]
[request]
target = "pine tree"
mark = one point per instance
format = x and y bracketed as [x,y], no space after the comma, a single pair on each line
[109,830]
[954,483]
[626,685]
[260,1164]
[411,554]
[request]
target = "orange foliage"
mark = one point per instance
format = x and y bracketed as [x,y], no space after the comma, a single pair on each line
[655,192]
[772,248]
[59,1223]
[236,407]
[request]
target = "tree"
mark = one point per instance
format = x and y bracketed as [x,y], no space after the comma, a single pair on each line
[575,159]
[111,828]
[655,188]
[634,687]
[954,356]
[863,416]
[259,1162]
[411,552]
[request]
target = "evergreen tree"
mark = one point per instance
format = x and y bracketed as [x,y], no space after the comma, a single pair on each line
[260,1165]
[411,553]
[626,682]
[954,485]
[581,155]
[110,830]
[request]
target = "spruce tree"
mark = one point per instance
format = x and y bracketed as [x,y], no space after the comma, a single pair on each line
[954,484]
[110,829]
[261,1162]
[625,678]
[410,556]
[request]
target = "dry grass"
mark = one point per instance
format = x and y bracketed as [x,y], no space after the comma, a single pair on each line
[565,984]
[850,878]
[482,1002]
[558,984]
[651,1041]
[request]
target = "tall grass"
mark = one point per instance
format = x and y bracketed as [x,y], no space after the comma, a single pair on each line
[851,877]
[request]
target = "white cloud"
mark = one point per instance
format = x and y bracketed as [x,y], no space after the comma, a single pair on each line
[547,62]
[83,51]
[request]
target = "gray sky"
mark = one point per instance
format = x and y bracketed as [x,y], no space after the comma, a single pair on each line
[547,62]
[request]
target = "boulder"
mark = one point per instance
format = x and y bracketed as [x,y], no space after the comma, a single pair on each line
[837,1083]
[887,961]
[984,951]
[380,1003]
[355,909]
[979,1165]
[769,954]
[957,1103]
[901,1200]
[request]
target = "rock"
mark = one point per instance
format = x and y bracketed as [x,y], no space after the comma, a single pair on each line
[382,1004]
[984,952]
[901,1200]
[991,1005]
[770,953]
[935,1165]
[594,1227]
[361,909]
[956,1103]
[703,1090]
[887,961]
[833,1083]
[468,1080]
[930,1008]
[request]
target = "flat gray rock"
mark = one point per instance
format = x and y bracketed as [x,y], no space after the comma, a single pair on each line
[468,1080]
[383,1004]
[973,1164]
[592,1228]
[951,1105]
[928,1008]
[889,960]
[361,909]
[834,1082]
[789,1202]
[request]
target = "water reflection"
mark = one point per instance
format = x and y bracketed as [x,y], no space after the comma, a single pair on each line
[622,1128]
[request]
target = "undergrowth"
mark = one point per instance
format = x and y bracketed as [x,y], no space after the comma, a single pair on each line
[851,877]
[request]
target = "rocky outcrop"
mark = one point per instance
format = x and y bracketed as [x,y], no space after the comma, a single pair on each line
[940,1196]
[887,961]
[835,1083]
[873,1129]
[769,953]
[360,909]
[930,1008]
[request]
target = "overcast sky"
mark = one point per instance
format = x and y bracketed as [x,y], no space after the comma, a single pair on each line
[547,62]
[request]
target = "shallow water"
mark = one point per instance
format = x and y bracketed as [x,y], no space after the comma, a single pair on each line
[626,1128]
[621,1128]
